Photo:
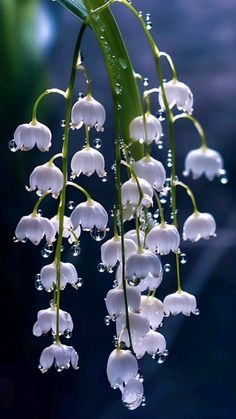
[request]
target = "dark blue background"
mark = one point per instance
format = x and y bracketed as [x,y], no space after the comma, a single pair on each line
[198,379]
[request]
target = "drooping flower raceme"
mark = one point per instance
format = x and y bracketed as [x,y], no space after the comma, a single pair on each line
[163,239]
[203,161]
[179,94]
[34,227]
[130,193]
[88,215]
[139,327]
[46,321]
[26,136]
[46,178]
[180,302]
[152,171]
[89,112]
[199,225]
[145,130]
[61,355]
[88,161]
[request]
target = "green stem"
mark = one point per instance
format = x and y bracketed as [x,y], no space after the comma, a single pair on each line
[178,272]
[197,125]
[190,193]
[87,131]
[65,147]
[170,61]
[75,185]
[38,100]
[87,78]
[56,156]
[160,208]
[35,210]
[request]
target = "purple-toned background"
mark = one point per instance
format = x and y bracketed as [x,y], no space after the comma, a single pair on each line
[198,379]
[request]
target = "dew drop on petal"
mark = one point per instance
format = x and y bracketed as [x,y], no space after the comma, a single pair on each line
[167,267]
[107,320]
[183,258]
[101,267]
[79,283]
[71,205]
[45,254]
[223,175]
[97,142]
[12,146]
[49,247]
[160,145]
[161,115]
[67,333]
[145,81]
[38,284]
[161,359]
[196,312]
[97,235]
[75,250]
[63,123]
[104,177]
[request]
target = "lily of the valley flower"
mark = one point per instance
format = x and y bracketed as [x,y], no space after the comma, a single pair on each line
[132,393]
[88,215]
[130,193]
[88,161]
[153,343]
[46,178]
[111,250]
[180,302]
[139,327]
[199,225]
[26,136]
[61,355]
[132,235]
[152,171]
[152,309]
[141,264]
[34,227]
[48,275]
[89,112]
[115,302]
[163,239]
[46,321]
[145,130]
[67,228]
[179,94]
[203,161]
[121,367]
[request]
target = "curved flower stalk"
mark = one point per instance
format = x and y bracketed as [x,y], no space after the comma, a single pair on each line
[141,235]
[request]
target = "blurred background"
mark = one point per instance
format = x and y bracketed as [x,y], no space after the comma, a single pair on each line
[197,381]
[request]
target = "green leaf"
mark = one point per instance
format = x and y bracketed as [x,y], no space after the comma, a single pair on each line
[75,7]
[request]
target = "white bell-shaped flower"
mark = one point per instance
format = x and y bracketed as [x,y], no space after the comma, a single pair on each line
[132,235]
[111,250]
[61,355]
[163,239]
[89,214]
[180,302]
[140,265]
[67,228]
[115,301]
[132,394]
[154,342]
[121,367]
[199,225]
[88,161]
[203,161]
[149,282]
[152,171]
[179,94]
[139,327]
[130,192]
[48,275]
[46,178]
[89,112]
[34,227]
[47,320]
[26,136]
[152,309]
[145,130]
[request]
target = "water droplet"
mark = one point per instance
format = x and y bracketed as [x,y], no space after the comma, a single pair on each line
[107,320]
[123,63]
[59,368]
[160,145]
[167,267]
[196,312]
[101,267]
[97,142]
[143,404]
[97,235]
[110,269]
[161,359]
[68,334]
[45,254]
[80,95]
[148,16]
[79,283]
[104,177]
[169,162]
[12,146]
[149,25]
[62,248]
[63,123]
[166,352]
[71,205]
[75,250]
[156,214]
[40,367]
[223,175]
[49,247]
[145,81]
[118,88]
[140,13]
[161,114]
[183,258]
[163,199]
[38,284]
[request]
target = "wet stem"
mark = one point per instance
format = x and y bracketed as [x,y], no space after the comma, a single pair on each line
[61,208]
